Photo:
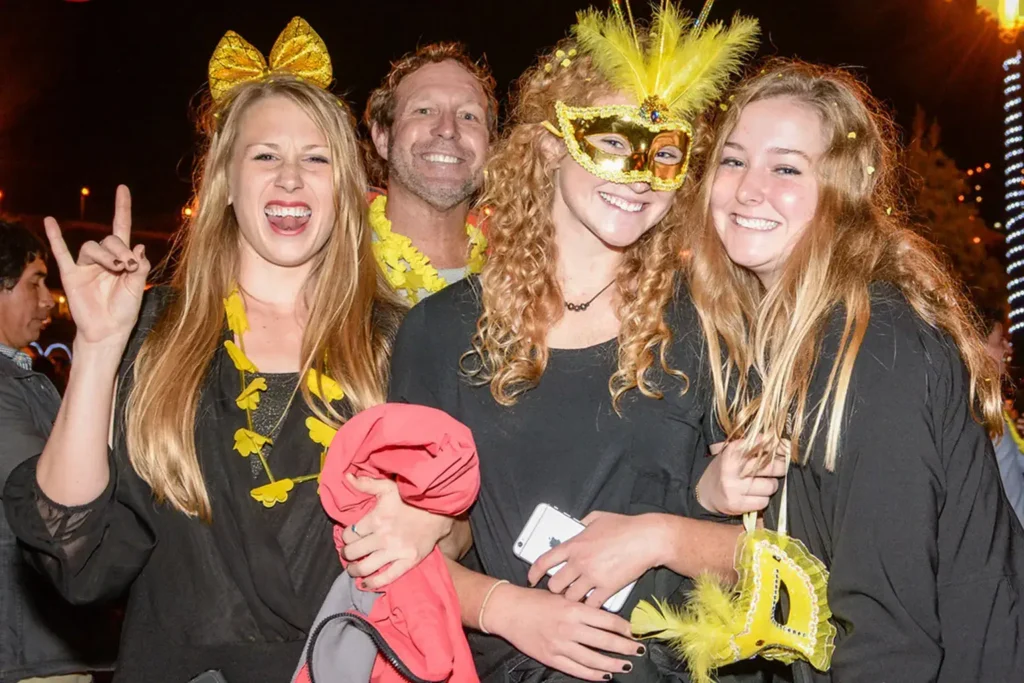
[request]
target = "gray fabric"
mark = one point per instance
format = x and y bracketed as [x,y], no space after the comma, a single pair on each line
[1011,470]
[342,654]
[40,634]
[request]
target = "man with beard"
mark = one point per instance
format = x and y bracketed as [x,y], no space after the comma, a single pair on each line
[430,124]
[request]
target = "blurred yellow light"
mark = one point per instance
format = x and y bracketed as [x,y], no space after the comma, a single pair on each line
[977,199]
[997,224]
[85,191]
[187,211]
[61,299]
[977,187]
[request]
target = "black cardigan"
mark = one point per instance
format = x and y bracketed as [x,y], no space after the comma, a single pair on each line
[926,556]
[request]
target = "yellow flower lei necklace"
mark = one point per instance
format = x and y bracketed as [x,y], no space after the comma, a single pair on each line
[247,440]
[405,266]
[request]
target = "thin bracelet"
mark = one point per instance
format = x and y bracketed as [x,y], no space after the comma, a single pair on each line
[483,605]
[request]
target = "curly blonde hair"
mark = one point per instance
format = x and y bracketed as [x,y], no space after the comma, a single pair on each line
[858,236]
[521,295]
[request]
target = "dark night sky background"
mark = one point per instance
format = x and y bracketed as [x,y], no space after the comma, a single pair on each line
[96,93]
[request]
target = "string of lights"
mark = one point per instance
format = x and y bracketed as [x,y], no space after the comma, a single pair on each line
[1014,144]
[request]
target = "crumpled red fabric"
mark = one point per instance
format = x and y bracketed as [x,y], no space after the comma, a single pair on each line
[432,458]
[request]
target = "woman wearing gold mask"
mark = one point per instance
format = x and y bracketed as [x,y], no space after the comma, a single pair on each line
[574,356]
[229,386]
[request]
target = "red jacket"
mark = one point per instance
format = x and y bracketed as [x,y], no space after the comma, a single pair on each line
[432,458]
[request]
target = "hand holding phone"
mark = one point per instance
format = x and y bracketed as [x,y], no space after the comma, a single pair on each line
[548,527]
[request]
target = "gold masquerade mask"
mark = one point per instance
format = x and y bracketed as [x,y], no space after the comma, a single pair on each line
[720,626]
[298,51]
[674,70]
[615,143]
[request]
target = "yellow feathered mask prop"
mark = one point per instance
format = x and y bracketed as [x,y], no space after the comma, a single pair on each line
[674,69]
[720,625]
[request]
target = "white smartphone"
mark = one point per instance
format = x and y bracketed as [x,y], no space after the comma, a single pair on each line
[547,527]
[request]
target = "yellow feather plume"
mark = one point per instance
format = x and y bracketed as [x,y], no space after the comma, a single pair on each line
[685,67]
[700,631]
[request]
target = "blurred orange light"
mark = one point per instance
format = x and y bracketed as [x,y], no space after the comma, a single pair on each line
[978,170]
[61,299]
[970,171]
[960,198]
[988,165]
[977,199]
[977,240]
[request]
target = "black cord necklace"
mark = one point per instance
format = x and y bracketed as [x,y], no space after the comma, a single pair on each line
[579,308]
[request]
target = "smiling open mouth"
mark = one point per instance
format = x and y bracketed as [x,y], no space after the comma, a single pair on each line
[435,158]
[287,219]
[762,224]
[620,203]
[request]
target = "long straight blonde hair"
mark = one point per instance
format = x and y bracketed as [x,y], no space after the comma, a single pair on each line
[352,314]
[857,237]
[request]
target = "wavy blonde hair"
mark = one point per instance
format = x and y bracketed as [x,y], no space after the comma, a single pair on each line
[521,295]
[352,315]
[857,237]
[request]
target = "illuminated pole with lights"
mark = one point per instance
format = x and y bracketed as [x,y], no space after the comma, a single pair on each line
[1007,13]
[1013,133]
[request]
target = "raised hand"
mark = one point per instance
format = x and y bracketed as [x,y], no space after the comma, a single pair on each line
[104,286]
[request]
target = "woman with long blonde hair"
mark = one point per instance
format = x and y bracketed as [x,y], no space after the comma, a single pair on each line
[574,358]
[229,385]
[842,332]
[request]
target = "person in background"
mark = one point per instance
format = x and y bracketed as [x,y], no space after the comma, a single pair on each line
[41,635]
[430,123]
[1009,445]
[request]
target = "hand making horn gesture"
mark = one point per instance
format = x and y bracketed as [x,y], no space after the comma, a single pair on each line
[104,287]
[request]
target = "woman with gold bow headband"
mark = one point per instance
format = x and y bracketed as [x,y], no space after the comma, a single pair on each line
[572,356]
[843,332]
[229,386]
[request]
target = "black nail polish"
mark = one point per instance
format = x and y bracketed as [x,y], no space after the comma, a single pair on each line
[627,667]
[607,677]
[641,650]
[118,262]
[132,263]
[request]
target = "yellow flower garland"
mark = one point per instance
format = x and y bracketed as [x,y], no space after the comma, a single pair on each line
[248,441]
[406,267]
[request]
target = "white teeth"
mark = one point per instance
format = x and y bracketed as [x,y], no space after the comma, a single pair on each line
[755,223]
[441,158]
[621,203]
[279,211]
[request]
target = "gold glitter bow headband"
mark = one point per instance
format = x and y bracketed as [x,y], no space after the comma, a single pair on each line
[298,51]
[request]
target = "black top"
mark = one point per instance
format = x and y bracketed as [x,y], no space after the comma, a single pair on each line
[236,595]
[926,556]
[561,444]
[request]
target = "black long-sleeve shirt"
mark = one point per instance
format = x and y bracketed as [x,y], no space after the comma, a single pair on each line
[926,556]
[238,594]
